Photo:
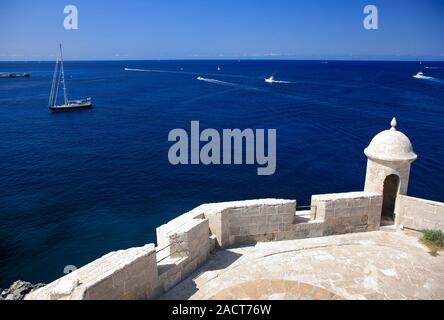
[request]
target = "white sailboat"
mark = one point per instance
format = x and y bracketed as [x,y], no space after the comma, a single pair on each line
[59,78]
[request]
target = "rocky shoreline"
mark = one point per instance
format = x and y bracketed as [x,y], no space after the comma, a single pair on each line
[18,290]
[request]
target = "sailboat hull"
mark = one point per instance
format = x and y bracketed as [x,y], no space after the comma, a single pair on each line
[72,106]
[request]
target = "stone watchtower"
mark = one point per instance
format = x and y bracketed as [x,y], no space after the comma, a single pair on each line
[390,156]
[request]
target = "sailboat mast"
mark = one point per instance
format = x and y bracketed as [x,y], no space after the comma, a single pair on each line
[52,97]
[63,75]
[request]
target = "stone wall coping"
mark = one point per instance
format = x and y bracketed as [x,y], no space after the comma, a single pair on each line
[88,275]
[435,203]
[210,208]
[221,206]
[346,195]
[174,224]
[189,224]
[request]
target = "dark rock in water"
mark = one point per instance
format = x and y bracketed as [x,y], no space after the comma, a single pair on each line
[19,290]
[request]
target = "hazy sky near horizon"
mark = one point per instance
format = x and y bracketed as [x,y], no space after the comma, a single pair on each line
[222,29]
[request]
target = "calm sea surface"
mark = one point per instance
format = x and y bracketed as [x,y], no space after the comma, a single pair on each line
[74,186]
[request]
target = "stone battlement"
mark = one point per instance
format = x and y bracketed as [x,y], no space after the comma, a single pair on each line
[185,243]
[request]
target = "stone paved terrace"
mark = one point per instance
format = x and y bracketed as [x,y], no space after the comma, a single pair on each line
[386,264]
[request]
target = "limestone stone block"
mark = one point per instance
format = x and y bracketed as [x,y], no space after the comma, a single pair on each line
[342,212]
[284,227]
[274,219]
[64,288]
[269,210]
[259,220]
[235,229]
[419,214]
[252,211]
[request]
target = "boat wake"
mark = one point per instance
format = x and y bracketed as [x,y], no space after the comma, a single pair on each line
[280,81]
[217,82]
[272,80]
[190,73]
[214,81]
[159,71]
[435,80]
[421,76]
[228,84]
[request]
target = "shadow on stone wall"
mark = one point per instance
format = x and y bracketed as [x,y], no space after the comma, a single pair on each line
[217,261]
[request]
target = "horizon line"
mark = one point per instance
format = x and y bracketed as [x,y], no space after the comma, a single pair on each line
[230,59]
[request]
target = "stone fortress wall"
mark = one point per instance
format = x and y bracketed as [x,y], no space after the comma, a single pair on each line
[186,242]
[419,214]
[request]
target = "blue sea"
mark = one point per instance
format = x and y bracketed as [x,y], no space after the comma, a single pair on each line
[76,185]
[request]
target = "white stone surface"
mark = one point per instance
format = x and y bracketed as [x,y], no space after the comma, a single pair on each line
[64,287]
[373,265]
[344,195]
[125,274]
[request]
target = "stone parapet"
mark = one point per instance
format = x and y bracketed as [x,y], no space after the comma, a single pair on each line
[250,221]
[185,243]
[419,214]
[348,212]
[122,275]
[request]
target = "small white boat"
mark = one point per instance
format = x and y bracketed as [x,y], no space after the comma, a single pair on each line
[270,80]
[200,78]
[420,75]
[218,68]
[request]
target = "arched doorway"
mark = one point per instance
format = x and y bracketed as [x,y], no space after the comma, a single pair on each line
[391,186]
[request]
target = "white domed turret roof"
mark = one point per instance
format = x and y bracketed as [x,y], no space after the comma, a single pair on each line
[391,145]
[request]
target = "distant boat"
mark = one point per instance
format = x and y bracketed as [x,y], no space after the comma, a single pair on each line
[59,77]
[218,68]
[15,75]
[272,80]
[420,75]
[200,78]
[269,80]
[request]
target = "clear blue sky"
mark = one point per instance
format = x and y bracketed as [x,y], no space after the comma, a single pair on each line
[207,29]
